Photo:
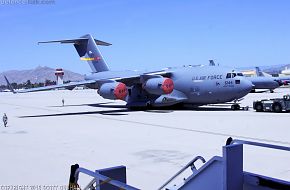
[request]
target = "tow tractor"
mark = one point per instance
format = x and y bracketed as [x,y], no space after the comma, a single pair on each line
[273,105]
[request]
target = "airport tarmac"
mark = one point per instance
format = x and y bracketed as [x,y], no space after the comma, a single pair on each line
[43,138]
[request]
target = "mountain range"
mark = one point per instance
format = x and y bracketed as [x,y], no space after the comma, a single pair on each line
[273,69]
[37,75]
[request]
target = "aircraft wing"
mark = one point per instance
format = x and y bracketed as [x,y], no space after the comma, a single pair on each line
[133,79]
[128,80]
[70,85]
[9,85]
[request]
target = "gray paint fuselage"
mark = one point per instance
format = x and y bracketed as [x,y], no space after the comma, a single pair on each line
[200,85]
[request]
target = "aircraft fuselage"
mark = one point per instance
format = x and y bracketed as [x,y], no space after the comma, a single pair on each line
[196,85]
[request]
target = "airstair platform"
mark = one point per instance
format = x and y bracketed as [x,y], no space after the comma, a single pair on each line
[219,173]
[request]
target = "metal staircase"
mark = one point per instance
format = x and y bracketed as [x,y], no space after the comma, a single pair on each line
[219,173]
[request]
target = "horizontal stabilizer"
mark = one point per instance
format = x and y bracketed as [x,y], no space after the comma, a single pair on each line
[76,41]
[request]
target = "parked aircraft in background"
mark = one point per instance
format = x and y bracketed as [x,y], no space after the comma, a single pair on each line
[285,72]
[259,79]
[282,80]
[194,85]
[285,76]
[266,81]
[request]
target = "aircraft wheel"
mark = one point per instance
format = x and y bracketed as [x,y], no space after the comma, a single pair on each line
[138,108]
[259,107]
[235,107]
[147,106]
[277,108]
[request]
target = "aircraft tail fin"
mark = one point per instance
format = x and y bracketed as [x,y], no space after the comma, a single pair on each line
[259,72]
[87,48]
[211,62]
[9,85]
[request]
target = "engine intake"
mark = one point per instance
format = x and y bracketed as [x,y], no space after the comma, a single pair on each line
[113,91]
[159,86]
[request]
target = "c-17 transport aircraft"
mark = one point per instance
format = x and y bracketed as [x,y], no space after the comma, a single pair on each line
[261,81]
[194,85]
[266,81]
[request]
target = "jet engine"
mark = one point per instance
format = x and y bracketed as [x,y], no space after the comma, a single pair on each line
[113,91]
[159,86]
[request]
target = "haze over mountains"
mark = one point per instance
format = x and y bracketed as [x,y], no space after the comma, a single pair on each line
[37,75]
[272,69]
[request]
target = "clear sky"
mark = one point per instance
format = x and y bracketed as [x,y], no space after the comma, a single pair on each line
[146,34]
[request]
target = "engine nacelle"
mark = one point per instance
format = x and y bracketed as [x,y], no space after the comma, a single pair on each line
[159,86]
[113,91]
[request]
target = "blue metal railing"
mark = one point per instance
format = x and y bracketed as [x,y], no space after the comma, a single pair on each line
[236,141]
[190,164]
[100,177]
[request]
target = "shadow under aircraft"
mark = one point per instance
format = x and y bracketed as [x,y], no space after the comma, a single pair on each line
[118,110]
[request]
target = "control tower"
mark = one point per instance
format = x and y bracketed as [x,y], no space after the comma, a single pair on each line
[59,75]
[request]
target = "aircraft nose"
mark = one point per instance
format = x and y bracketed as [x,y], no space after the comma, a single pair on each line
[247,85]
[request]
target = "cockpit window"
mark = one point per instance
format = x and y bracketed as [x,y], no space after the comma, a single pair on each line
[233,75]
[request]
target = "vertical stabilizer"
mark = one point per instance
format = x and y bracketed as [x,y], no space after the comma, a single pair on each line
[88,51]
[259,73]
[87,48]
[9,85]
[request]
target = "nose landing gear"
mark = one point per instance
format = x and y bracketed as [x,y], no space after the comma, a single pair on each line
[238,107]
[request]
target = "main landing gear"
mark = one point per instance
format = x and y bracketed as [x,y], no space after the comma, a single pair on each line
[235,107]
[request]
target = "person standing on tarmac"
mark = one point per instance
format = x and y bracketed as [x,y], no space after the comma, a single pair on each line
[5,120]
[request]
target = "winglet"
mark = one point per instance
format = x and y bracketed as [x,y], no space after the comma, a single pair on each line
[9,85]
